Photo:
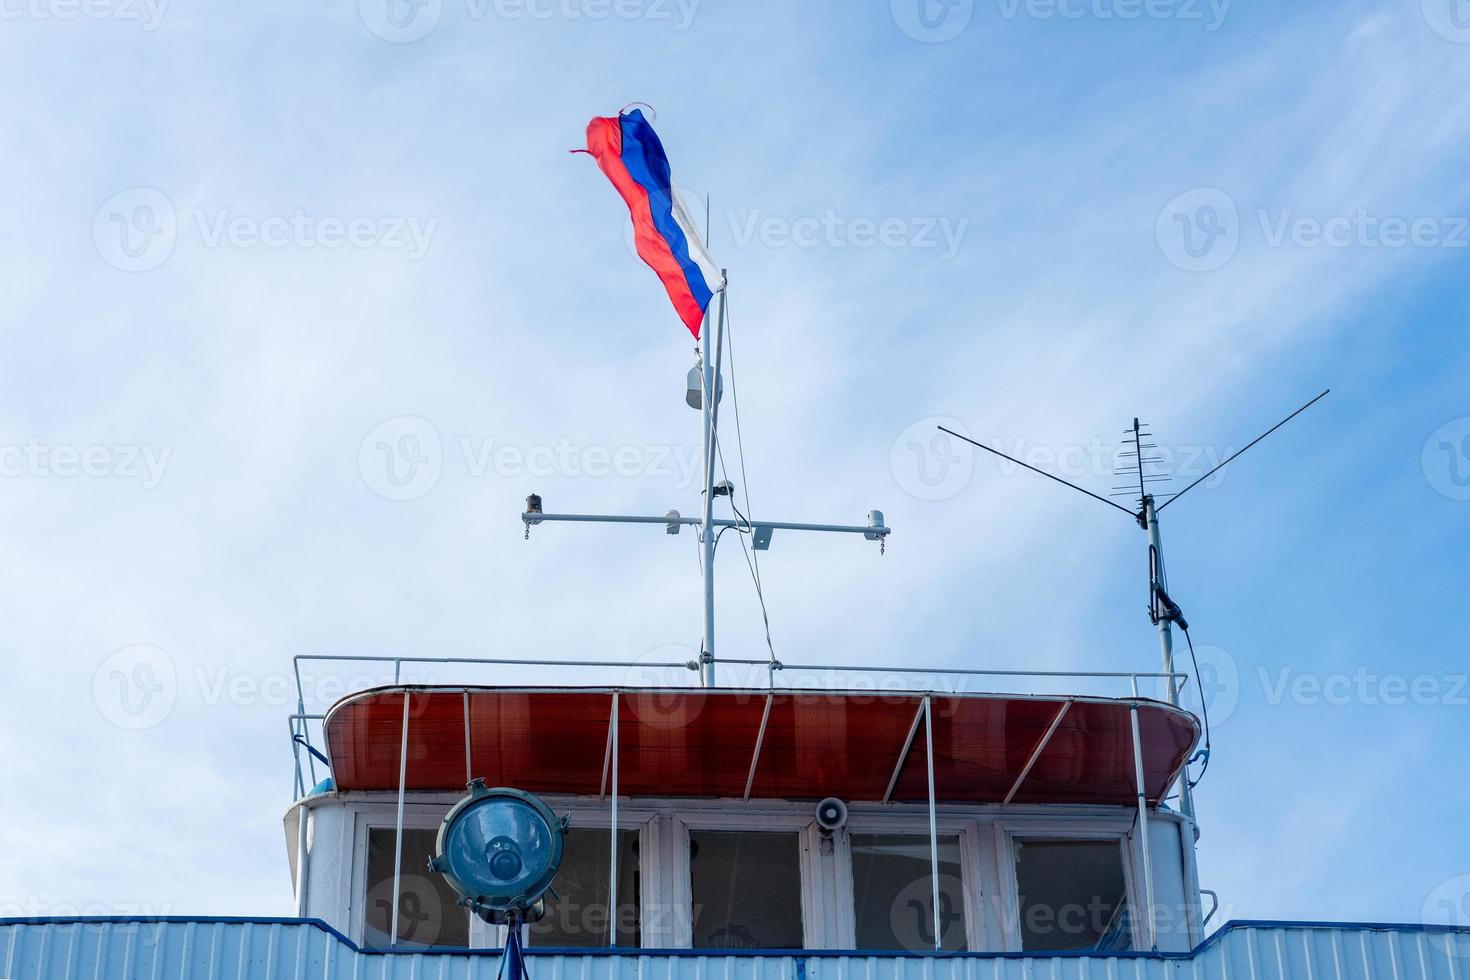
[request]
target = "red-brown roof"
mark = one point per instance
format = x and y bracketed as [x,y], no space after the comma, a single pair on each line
[692,742]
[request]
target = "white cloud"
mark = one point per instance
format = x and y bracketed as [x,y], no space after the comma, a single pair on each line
[526,321]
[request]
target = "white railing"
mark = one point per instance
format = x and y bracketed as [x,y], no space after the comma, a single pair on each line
[300,726]
[301,721]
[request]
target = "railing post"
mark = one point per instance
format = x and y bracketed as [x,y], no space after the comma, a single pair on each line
[1148,867]
[469,770]
[612,902]
[933,818]
[398,823]
[299,787]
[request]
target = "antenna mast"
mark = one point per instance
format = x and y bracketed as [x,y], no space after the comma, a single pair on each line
[1148,519]
[1163,611]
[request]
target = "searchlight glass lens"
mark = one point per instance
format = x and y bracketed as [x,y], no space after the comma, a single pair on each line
[501,847]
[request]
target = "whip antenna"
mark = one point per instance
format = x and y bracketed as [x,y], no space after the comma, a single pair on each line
[1049,476]
[1136,463]
[1248,445]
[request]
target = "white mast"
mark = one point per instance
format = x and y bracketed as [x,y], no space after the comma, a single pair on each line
[1150,521]
[710,406]
[712,344]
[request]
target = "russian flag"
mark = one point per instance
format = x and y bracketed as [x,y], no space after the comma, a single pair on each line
[629,152]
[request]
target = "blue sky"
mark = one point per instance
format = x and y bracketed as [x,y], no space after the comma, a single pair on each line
[246,243]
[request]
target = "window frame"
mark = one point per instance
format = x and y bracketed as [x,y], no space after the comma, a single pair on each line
[771,821]
[988,852]
[368,816]
[382,816]
[587,816]
[972,876]
[1014,833]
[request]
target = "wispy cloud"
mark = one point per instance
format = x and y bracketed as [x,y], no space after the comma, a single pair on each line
[1050,313]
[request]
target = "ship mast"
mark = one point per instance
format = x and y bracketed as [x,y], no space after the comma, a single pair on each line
[710,412]
[709,392]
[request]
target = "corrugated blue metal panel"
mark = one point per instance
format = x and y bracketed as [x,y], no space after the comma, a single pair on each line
[241,949]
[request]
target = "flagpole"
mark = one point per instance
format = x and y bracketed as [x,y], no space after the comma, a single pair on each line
[713,335]
[706,547]
[656,244]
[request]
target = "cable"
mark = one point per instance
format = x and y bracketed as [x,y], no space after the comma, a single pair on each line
[755,572]
[752,560]
[1162,607]
[752,565]
[1204,706]
[720,534]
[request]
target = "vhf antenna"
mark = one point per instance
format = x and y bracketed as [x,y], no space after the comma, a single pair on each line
[1163,612]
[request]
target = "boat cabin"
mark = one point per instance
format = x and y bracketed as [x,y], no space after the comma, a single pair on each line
[746,834]
[948,821]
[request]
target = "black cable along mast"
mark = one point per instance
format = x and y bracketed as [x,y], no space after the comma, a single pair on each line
[1163,611]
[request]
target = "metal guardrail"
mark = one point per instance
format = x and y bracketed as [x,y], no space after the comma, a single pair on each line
[299,722]
[300,729]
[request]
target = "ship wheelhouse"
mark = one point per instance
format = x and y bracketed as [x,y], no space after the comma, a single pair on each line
[1010,835]
[973,822]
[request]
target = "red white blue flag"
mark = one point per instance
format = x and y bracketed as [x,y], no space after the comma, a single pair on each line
[629,152]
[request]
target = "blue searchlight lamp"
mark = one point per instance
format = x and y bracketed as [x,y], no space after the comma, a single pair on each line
[499,850]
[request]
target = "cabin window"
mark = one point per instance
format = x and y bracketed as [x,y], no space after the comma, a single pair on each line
[428,913]
[746,889]
[578,914]
[1073,895]
[893,892]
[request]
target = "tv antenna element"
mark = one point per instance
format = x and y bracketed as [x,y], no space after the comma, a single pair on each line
[1139,461]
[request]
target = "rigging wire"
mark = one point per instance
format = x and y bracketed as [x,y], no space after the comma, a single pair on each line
[752,562]
[752,558]
[753,566]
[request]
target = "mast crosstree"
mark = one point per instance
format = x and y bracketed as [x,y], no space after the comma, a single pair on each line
[709,526]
